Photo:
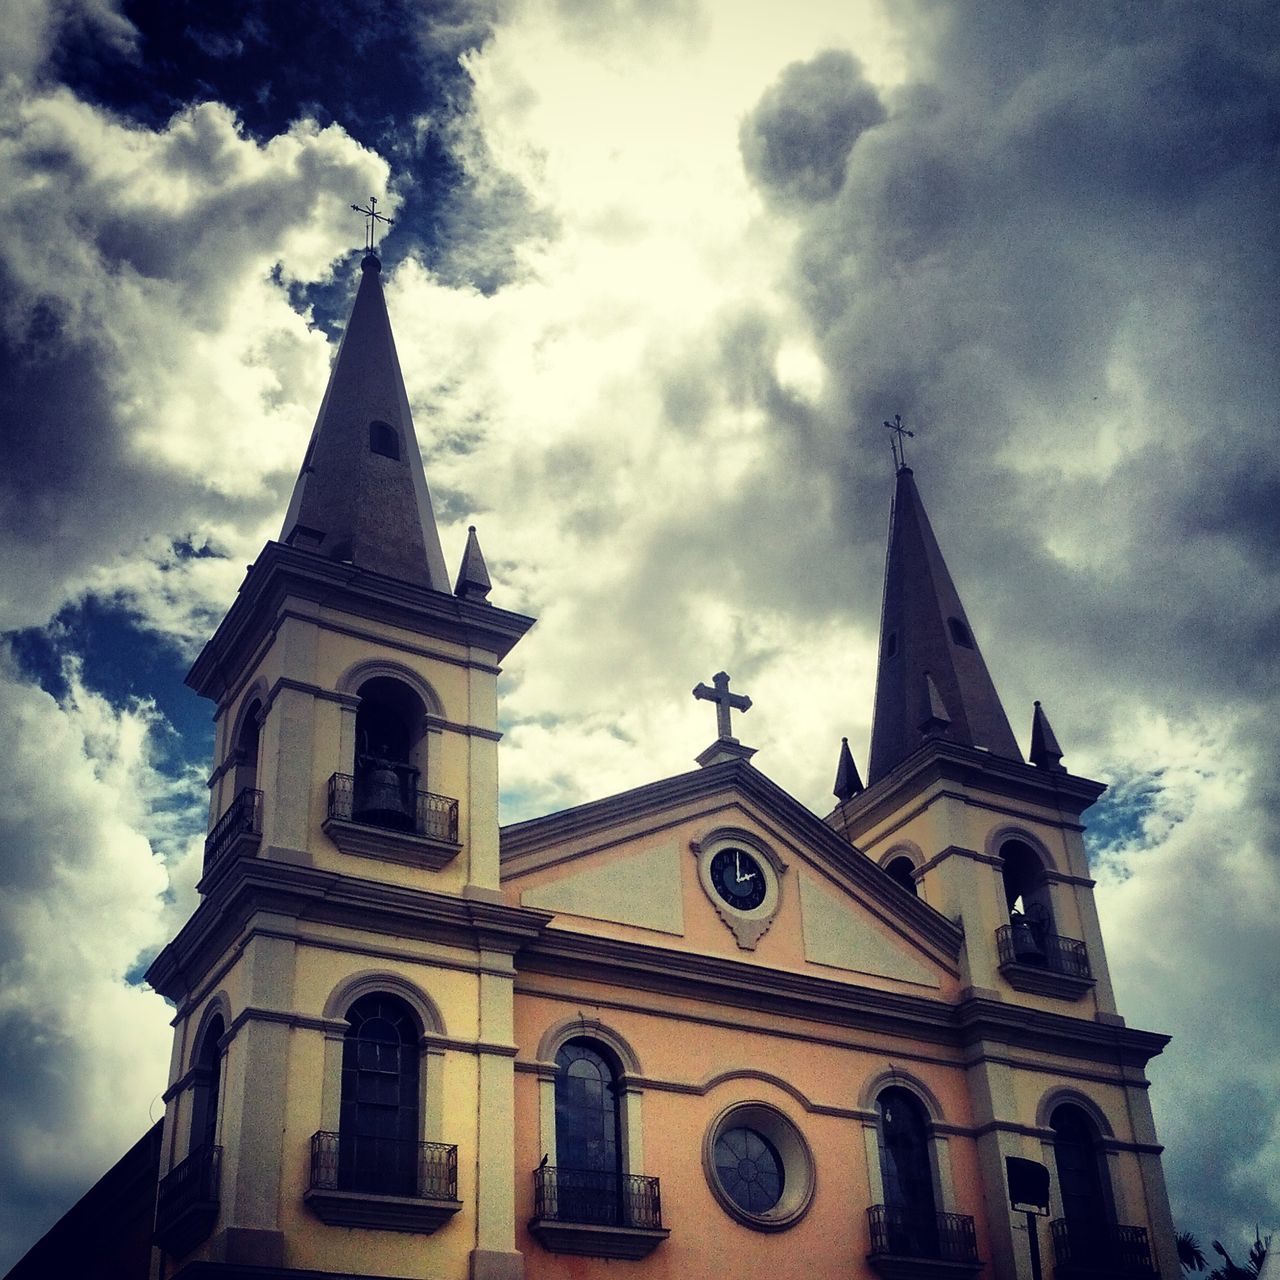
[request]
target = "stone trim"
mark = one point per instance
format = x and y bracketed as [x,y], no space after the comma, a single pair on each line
[286,891]
[736,984]
[282,573]
[383,1213]
[591,1240]
[363,841]
[938,759]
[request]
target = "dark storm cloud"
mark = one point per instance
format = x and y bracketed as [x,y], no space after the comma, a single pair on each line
[1056,256]
[797,139]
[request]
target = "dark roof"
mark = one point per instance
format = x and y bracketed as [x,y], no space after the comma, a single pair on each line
[931,680]
[361,495]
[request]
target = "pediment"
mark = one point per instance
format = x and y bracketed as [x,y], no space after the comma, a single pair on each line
[636,867]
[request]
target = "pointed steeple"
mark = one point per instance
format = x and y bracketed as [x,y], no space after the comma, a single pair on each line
[848,783]
[473,577]
[931,680]
[362,495]
[1045,752]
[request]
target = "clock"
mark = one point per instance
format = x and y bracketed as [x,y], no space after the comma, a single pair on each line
[741,876]
[738,878]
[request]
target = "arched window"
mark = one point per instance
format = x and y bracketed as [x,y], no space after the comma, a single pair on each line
[907,1173]
[247,747]
[208,1080]
[390,746]
[960,633]
[1077,1153]
[1026,891]
[588,1134]
[379,1133]
[902,869]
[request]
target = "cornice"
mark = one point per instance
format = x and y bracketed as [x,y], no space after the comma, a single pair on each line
[254,886]
[281,572]
[939,760]
[522,842]
[971,1026]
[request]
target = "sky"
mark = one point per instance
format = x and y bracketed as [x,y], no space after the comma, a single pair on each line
[659,271]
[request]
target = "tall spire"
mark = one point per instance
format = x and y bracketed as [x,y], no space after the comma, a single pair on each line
[931,681]
[362,495]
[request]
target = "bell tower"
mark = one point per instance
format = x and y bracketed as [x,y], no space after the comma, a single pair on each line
[343,1032]
[955,815]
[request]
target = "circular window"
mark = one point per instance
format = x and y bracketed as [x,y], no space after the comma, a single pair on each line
[750,1169]
[759,1166]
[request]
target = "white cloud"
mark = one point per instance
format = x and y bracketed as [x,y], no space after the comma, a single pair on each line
[85,1050]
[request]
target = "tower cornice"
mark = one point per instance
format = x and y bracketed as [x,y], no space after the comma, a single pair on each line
[974,770]
[281,573]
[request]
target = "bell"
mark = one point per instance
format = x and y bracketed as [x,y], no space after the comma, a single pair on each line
[382,802]
[1028,940]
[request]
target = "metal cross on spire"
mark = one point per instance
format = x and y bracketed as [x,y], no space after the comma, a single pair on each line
[897,444]
[371,218]
[723,699]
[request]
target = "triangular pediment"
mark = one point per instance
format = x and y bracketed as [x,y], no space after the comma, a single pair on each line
[638,867]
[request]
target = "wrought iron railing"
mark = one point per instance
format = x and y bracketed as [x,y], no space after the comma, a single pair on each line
[243,817]
[1095,1246]
[597,1196]
[909,1233]
[1025,942]
[403,808]
[188,1189]
[384,1166]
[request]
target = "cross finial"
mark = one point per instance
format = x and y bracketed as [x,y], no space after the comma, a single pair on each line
[371,218]
[723,699]
[897,444]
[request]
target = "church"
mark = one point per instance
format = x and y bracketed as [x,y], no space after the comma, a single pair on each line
[691,1030]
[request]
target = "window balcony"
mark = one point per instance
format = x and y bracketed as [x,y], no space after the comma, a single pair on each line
[1099,1251]
[909,1245]
[383,1183]
[382,815]
[238,832]
[1033,959]
[187,1201]
[596,1213]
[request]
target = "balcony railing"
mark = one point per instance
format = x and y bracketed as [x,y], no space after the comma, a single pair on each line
[387,798]
[908,1233]
[1025,942]
[1104,1247]
[242,818]
[598,1197]
[187,1200]
[384,1166]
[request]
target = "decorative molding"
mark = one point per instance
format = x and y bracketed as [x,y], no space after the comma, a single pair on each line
[1045,982]
[789,1143]
[747,926]
[594,1240]
[382,1213]
[364,841]
[256,885]
[282,574]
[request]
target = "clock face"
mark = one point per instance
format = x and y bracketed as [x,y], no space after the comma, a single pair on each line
[738,878]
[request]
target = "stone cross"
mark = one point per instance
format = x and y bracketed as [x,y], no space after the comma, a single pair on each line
[723,699]
[371,219]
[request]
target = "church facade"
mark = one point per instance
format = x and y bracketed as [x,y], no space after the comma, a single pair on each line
[691,1030]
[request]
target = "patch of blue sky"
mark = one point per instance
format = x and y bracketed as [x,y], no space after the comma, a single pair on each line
[1127,819]
[125,663]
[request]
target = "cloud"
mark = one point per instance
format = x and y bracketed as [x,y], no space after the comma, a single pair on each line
[85,897]
[148,340]
[795,143]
